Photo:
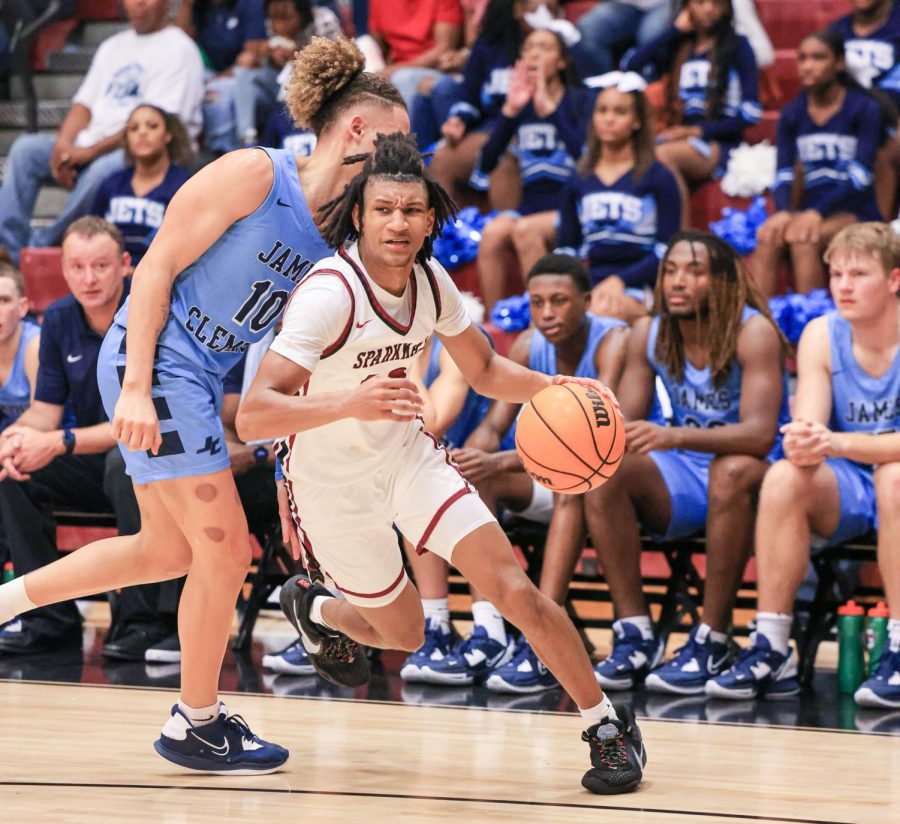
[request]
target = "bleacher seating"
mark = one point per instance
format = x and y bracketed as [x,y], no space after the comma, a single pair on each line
[44,281]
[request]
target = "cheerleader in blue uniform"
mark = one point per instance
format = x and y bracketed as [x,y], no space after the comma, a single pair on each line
[712,91]
[543,125]
[832,130]
[620,211]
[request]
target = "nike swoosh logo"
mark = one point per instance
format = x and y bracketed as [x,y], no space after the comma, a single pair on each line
[73,358]
[280,202]
[360,325]
[221,749]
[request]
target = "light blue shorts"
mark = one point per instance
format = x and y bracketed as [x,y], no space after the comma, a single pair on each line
[686,475]
[856,491]
[188,401]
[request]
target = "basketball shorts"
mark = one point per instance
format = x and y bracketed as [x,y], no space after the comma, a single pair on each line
[686,476]
[188,401]
[856,491]
[347,532]
[540,507]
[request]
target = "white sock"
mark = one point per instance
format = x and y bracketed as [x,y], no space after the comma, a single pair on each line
[315,611]
[199,716]
[715,637]
[643,623]
[597,715]
[485,614]
[14,600]
[776,627]
[894,634]
[439,609]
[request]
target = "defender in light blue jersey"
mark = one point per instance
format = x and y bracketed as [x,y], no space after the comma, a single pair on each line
[234,242]
[720,356]
[842,471]
[19,340]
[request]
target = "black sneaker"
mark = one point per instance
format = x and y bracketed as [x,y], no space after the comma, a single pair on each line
[617,755]
[336,657]
[167,651]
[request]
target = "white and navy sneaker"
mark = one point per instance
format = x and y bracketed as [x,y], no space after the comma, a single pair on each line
[694,664]
[292,660]
[435,648]
[883,688]
[11,629]
[632,657]
[523,674]
[617,755]
[471,660]
[226,746]
[758,672]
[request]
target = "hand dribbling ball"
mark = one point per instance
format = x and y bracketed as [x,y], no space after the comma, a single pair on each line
[570,437]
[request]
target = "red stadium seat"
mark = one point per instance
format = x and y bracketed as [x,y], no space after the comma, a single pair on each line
[766,129]
[44,282]
[99,10]
[51,38]
[576,8]
[788,21]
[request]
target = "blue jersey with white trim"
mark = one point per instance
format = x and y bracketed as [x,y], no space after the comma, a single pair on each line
[546,148]
[697,401]
[15,393]
[837,157]
[859,401]
[485,83]
[474,408]
[740,106]
[236,290]
[874,59]
[621,229]
[542,353]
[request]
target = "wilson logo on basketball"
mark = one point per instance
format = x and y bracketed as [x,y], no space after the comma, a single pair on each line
[540,479]
[601,413]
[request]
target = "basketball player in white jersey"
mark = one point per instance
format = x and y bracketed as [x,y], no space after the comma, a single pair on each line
[359,459]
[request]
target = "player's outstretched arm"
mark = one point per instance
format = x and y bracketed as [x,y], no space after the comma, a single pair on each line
[199,214]
[489,373]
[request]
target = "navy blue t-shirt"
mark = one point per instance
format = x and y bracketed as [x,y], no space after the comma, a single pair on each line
[225,29]
[67,370]
[282,133]
[137,218]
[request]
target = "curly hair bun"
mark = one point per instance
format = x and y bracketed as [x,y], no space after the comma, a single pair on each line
[321,69]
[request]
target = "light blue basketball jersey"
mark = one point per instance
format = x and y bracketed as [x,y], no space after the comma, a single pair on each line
[860,402]
[697,401]
[542,354]
[474,409]
[236,290]
[15,394]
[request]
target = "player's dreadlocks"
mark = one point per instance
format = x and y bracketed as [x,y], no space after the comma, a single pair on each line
[730,289]
[395,157]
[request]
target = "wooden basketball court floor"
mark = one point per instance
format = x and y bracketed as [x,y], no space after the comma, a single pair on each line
[78,753]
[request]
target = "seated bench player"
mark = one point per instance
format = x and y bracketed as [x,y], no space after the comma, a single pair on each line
[841,475]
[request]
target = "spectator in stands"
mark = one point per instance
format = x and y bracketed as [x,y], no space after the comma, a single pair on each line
[151,62]
[842,472]
[54,458]
[610,27]
[545,118]
[19,341]
[134,199]
[484,86]
[566,339]
[872,42]
[231,35]
[832,129]
[621,209]
[292,23]
[415,39]
[711,91]
[720,356]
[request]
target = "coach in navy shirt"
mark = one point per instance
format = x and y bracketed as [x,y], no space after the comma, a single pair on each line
[48,465]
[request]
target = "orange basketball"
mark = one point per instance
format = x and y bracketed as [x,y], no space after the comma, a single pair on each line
[571,438]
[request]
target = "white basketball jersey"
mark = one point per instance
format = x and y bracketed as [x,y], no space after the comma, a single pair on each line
[345,329]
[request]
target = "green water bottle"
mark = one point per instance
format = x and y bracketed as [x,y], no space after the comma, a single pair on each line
[8,573]
[851,650]
[876,634]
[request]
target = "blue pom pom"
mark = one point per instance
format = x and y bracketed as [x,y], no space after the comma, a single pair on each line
[512,314]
